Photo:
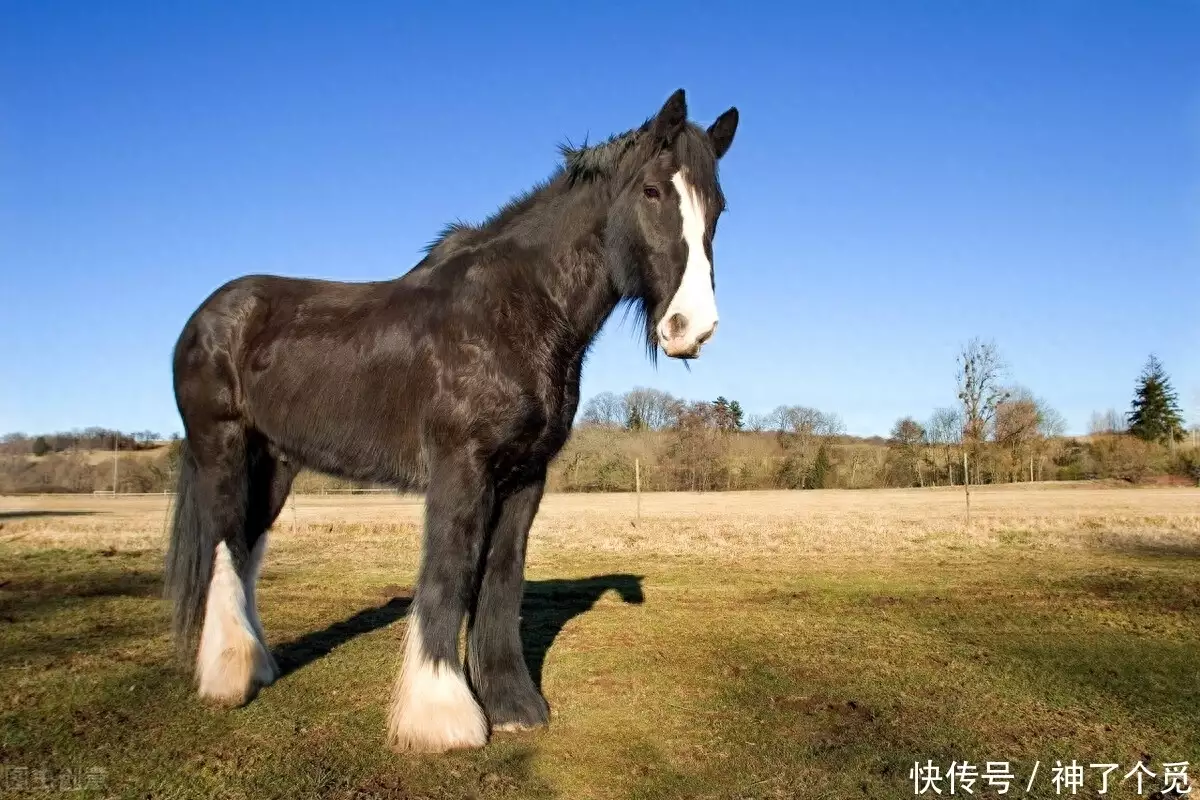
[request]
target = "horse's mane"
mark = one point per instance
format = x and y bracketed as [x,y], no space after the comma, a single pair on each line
[598,161]
[583,165]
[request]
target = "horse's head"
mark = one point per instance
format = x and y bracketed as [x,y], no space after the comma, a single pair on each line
[664,217]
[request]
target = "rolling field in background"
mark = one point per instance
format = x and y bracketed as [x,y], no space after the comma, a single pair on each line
[734,644]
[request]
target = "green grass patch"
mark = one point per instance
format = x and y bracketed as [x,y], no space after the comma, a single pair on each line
[668,677]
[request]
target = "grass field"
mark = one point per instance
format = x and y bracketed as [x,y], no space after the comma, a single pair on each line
[743,645]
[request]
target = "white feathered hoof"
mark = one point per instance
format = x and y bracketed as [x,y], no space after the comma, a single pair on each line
[432,708]
[231,664]
[233,676]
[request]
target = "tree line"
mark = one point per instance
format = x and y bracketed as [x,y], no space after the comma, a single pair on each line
[89,439]
[994,431]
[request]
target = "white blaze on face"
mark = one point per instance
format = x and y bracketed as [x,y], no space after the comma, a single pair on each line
[694,300]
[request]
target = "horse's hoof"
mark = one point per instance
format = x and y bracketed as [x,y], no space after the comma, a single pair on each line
[229,699]
[517,727]
[436,736]
[433,711]
[426,725]
[232,678]
[516,710]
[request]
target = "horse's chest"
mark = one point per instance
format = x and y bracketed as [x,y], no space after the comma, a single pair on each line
[537,443]
[554,436]
[543,441]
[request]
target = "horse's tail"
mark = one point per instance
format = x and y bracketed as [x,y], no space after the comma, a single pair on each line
[190,555]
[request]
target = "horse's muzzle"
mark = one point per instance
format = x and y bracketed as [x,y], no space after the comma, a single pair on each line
[687,347]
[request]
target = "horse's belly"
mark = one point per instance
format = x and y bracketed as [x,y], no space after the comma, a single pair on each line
[357,421]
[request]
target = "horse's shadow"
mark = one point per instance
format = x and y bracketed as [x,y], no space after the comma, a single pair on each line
[549,605]
[545,610]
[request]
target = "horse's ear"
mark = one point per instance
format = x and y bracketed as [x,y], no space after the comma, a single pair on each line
[670,119]
[721,132]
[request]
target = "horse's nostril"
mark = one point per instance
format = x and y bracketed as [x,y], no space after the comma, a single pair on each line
[704,337]
[676,325]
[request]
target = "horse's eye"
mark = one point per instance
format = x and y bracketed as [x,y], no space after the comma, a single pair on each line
[650,192]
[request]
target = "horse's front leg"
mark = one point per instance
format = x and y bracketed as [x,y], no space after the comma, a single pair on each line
[496,664]
[432,707]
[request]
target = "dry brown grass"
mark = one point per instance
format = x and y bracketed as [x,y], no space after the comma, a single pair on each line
[754,645]
[722,524]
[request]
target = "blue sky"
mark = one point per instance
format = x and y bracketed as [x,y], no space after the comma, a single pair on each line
[906,175]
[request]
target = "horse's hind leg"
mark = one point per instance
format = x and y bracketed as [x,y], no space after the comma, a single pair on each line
[270,482]
[497,665]
[232,662]
[432,707]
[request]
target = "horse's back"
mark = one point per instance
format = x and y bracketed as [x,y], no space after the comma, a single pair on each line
[343,377]
[317,366]
[254,310]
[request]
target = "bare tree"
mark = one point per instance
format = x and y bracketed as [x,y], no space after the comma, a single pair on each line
[907,443]
[802,432]
[945,426]
[806,422]
[1018,430]
[653,409]
[699,449]
[908,433]
[1051,424]
[605,409]
[945,429]
[832,424]
[638,409]
[1051,427]
[1107,422]
[759,423]
[979,375]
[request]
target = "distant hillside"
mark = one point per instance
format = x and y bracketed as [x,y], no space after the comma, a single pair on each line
[698,451]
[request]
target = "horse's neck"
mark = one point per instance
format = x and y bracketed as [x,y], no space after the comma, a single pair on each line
[576,276]
[584,292]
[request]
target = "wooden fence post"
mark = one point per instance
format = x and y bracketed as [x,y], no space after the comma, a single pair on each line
[967,485]
[637,487]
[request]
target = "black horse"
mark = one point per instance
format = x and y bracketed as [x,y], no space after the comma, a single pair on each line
[460,378]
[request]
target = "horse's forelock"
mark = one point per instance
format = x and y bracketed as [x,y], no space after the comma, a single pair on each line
[627,151]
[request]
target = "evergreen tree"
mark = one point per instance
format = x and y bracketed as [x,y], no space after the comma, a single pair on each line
[721,407]
[1155,416]
[736,415]
[820,469]
[40,446]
